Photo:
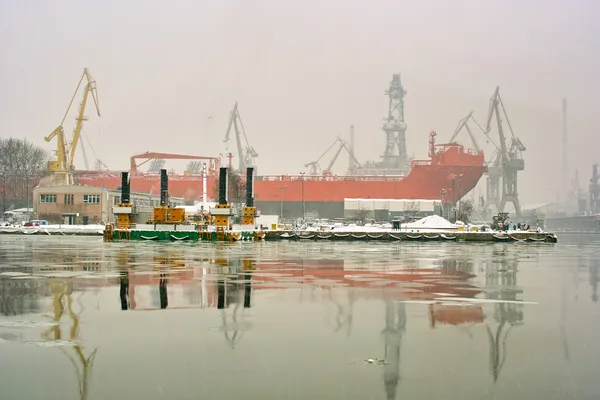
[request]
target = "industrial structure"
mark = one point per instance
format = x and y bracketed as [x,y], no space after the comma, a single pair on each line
[394,160]
[173,222]
[246,155]
[506,161]
[315,166]
[63,166]
[83,205]
[449,173]
[390,209]
[594,190]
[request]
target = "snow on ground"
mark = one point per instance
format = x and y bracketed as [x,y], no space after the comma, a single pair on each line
[431,222]
[53,229]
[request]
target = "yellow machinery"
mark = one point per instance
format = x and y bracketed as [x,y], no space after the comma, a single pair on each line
[125,219]
[63,166]
[165,214]
[248,215]
[222,215]
[168,215]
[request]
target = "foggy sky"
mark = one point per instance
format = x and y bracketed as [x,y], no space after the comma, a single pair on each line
[302,72]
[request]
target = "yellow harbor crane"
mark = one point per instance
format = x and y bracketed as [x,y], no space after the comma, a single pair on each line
[62,167]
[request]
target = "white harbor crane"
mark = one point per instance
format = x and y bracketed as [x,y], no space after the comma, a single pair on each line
[246,155]
[343,145]
[506,161]
[464,123]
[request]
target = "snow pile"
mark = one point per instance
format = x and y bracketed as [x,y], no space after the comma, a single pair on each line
[431,222]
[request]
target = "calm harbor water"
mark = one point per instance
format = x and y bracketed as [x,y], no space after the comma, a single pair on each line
[83,319]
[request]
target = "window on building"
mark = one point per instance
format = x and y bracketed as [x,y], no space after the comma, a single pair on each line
[91,199]
[47,198]
[68,199]
[116,200]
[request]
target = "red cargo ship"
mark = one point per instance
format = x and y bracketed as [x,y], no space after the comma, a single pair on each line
[448,175]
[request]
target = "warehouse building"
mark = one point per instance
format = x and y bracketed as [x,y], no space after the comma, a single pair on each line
[389,209]
[83,205]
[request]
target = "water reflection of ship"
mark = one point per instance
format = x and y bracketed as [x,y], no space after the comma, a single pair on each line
[451,278]
[63,290]
[166,264]
[501,281]
[233,287]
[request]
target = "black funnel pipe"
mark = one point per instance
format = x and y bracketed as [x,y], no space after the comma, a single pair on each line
[223,185]
[164,187]
[250,187]
[125,188]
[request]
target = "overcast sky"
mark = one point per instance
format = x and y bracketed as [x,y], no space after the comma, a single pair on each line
[302,72]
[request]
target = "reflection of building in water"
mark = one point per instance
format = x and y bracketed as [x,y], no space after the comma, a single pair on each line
[66,256]
[62,296]
[19,296]
[395,326]
[501,281]
[234,288]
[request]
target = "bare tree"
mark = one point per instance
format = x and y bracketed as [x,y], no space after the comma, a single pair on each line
[22,165]
[236,188]
[361,215]
[412,208]
[466,210]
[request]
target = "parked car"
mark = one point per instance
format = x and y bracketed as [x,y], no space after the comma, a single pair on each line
[36,222]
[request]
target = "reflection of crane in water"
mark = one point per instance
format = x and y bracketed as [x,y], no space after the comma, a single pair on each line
[502,285]
[345,317]
[594,278]
[229,292]
[395,326]
[63,289]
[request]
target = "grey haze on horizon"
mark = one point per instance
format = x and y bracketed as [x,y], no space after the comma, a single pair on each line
[302,72]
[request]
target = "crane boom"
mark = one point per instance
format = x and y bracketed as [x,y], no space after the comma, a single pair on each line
[343,145]
[247,155]
[335,157]
[463,123]
[90,88]
[506,162]
[65,153]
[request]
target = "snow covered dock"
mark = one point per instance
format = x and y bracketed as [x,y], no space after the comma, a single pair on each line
[63,230]
[431,228]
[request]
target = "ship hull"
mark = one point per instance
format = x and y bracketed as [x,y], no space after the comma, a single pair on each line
[448,176]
